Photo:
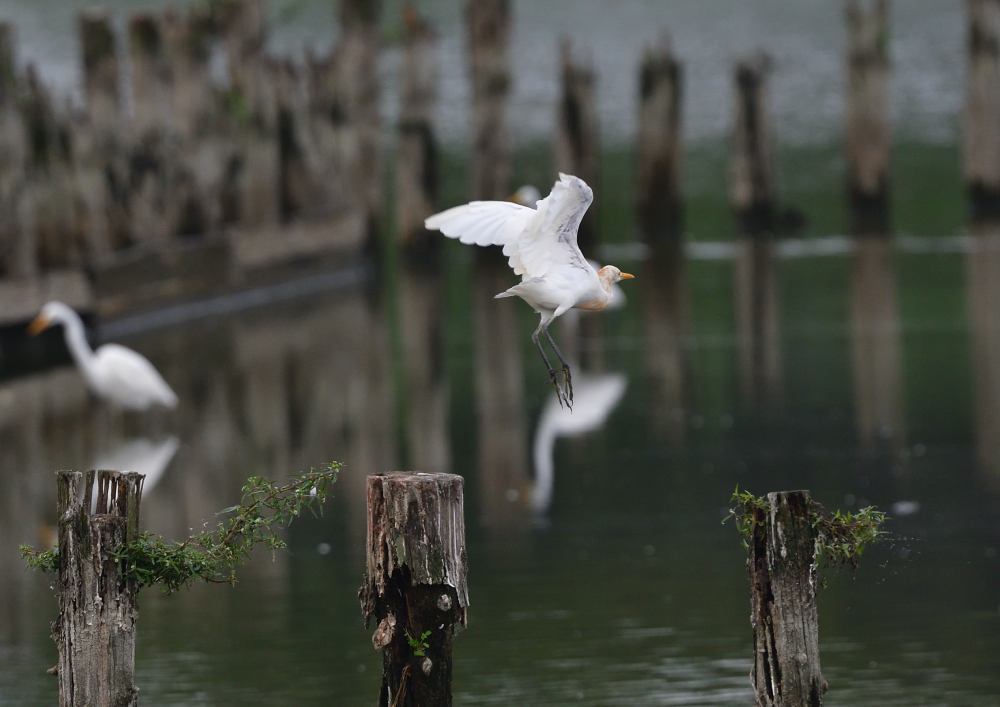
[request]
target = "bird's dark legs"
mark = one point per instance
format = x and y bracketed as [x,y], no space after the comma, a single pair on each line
[567,376]
[560,396]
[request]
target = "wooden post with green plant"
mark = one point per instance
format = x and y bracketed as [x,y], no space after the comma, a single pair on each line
[102,562]
[789,537]
[415,585]
[786,667]
[95,629]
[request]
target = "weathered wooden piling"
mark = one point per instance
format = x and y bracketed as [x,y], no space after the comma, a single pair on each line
[417,152]
[488,42]
[357,69]
[751,172]
[783,614]
[95,629]
[577,143]
[868,133]
[12,147]
[415,584]
[100,169]
[659,148]
[981,134]
[150,161]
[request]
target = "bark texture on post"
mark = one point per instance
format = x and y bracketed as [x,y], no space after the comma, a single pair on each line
[868,131]
[417,154]
[981,136]
[415,582]
[783,614]
[751,173]
[488,44]
[659,147]
[95,630]
[577,148]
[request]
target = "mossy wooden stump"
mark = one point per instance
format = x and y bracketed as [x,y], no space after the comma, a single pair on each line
[95,630]
[415,585]
[782,567]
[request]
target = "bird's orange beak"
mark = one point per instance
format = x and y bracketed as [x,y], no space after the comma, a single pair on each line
[627,276]
[38,325]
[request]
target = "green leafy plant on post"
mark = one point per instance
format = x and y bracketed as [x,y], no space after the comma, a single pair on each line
[420,645]
[214,554]
[842,537]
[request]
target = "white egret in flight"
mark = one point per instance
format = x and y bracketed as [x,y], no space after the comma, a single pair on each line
[121,376]
[541,247]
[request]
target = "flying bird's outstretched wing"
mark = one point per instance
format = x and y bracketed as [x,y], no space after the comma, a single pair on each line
[534,241]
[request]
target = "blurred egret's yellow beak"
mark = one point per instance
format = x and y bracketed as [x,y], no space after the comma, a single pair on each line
[38,325]
[627,276]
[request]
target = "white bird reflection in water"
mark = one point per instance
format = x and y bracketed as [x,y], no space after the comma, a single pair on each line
[141,455]
[596,396]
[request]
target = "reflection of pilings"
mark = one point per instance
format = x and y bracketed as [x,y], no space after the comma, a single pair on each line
[868,132]
[488,42]
[983,278]
[577,143]
[499,380]
[758,338]
[877,360]
[426,416]
[666,324]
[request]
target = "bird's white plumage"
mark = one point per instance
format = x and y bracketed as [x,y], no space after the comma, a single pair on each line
[128,379]
[535,241]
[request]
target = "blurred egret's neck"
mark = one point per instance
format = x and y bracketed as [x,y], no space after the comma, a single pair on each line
[76,342]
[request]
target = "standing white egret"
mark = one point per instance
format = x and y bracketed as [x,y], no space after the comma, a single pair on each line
[121,376]
[541,247]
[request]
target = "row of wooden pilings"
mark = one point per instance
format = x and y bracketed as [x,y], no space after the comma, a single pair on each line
[182,153]
[415,590]
[178,151]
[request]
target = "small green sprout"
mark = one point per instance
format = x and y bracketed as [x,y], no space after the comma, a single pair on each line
[420,645]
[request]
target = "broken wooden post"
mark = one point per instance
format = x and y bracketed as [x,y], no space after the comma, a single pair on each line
[416,156]
[782,568]
[658,145]
[981,133]
[577,144]
[488,41]
[95,629]
[415,584]
[751,173]
[868,132]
